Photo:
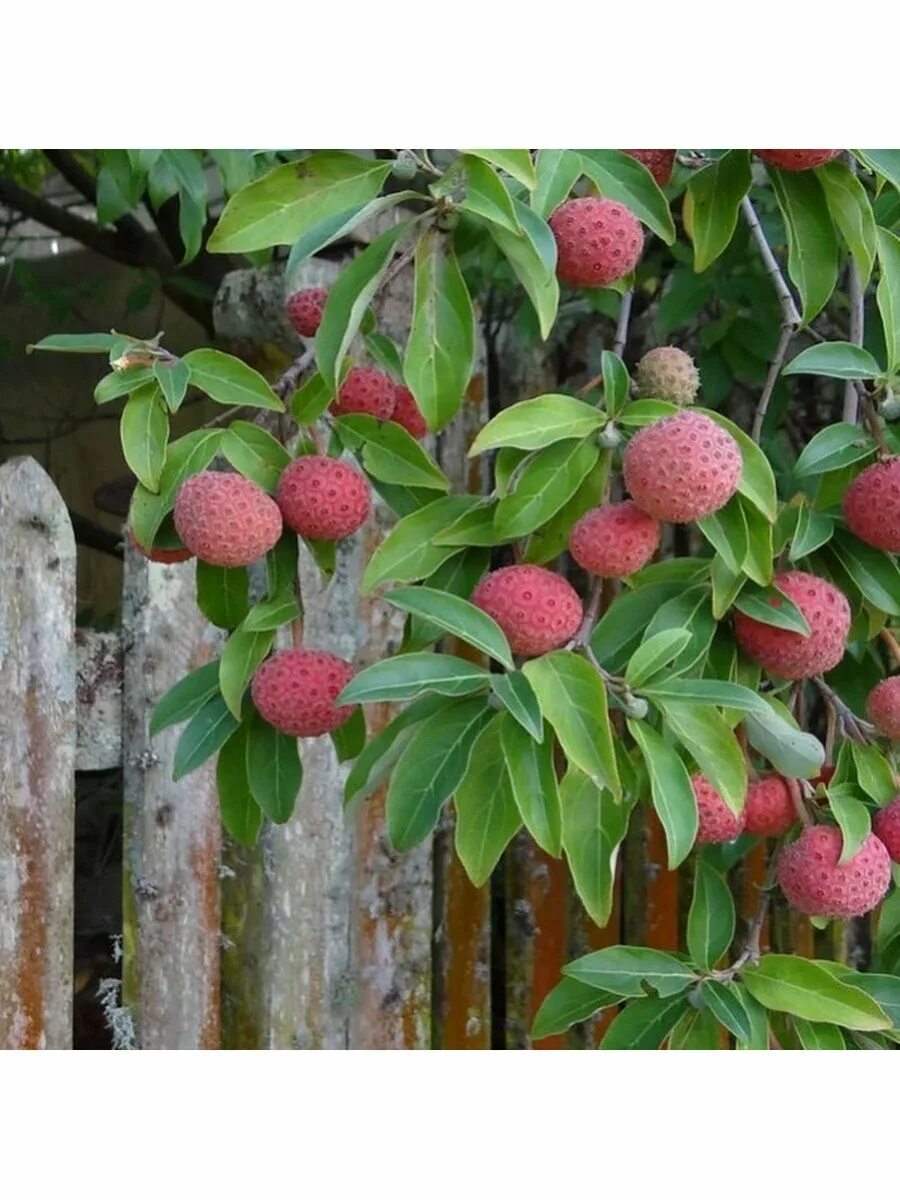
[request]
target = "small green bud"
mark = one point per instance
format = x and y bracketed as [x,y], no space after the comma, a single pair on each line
[404,167]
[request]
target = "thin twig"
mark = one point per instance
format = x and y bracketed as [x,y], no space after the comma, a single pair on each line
[892,644]
[287,383]
[397,266]
[873,421]
[850,724]
[773,270]
[591,613]
[762,407]
[622,323]
[797,800]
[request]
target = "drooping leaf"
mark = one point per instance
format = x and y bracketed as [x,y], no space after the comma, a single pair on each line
[546,483]
[349,738]
[377,758]
[241,655]
[456,616]
[712,745]
[205,733]
[852,817]
[874,773]
[593,828]
[671,791]
[569,1002]
[819,1035]
[338,225]
[532,257]
[145,432]
[724,1002]
[848,203]
[485,194]
[274,769]
[620,177]
[255,453]
[514,162]
[644,1024]
[390,454]
[223,594]
[409,551]
[716,193]
[888,294]
[173,379]
[486,814]
[184,457]
[769,606]
[185,697]
[517,696]
[533,780]
[557,172]
[242,817]
[875,574]
[812,240]
[711,919]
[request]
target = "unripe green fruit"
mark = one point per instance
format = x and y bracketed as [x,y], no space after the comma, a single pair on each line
[404,167]
[610,437]
[447,221]
[667,373]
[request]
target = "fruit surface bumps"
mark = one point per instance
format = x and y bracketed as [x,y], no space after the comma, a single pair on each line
[872,505]
[667,373]
[322,497]
[886,827]
[407,413]
[614,540]
[795,655]
[537,609]
[296,690]
[598,241]
[304,310]
[883,707]
[769,811]
[812,881]
[366,390]
[658,162]
[796,160]
[716,821]
[682,468]
[226,520]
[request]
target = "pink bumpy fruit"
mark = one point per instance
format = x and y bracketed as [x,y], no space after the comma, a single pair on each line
[886,826]
[304,310]
[536,609]
[769,811]
[812,881]
[597,241]
[682,468]
[883,706]
[226,520]
[717,823]
[614,540]
[658,162]
[872,505]
[795,655]
[407,413]
[796,160]
[365,390]
[322,497]
[296,690]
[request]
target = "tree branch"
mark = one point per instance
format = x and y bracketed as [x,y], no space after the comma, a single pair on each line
[762,407]
[857,325]
[622,323]
[789,312]
[60,220]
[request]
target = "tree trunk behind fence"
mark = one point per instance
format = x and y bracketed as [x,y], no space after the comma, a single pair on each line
[37,760]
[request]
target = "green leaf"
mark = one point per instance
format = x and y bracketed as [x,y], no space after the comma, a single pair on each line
[271,614]
[620,177]
[875,574]
[222,594]
[242,654]
[350,737]
[852,817]
[874,773]
[757,480]
[458,576]
[120,383]
[391,455]
[716,193]
[791,752]
[377,759]
[812,241]
[533,780]
[593,828]
[625,970]
[184,457]
[653,654]
[709,741]
[724,1002]
[486,815]
[431,768]
[185,697]
[835,360]
[532,257]
[813,530]
[717,692]
[514,162]
[281,569]
[456,616]
[517,696]
[769,606]
[75,343]
[441,346]
[726,586]
[883,988]
[568,1003]
[888,294]
[409,552]
[711,919]
[726,531]
[616,383]
[557,172]
[255,453]
[885,162]
[338,225]
[644,1024]
[645,412]
[671,791]
[348,300]
[691,611]
[405,676]
[205,733]
[818,1035]
[242,817]
[696,1029]
[623,624]
[145,432]
[310,400]
[573,699]
[474,528]
[835,446]
[807,989]
[758,563]
[229,381]
[546,483]
[273,769]
[552,539]
[848,203]
[485,194]
[173,379]
[290,199]
[532,424]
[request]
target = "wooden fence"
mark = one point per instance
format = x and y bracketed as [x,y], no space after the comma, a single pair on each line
[320,936]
